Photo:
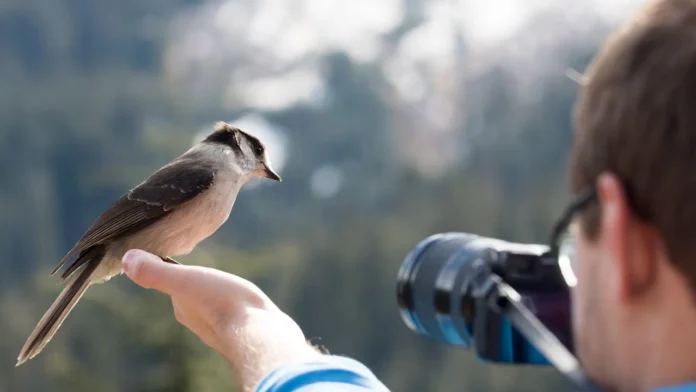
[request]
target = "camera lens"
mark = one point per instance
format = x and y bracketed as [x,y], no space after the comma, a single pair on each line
[444,284]
[427,287]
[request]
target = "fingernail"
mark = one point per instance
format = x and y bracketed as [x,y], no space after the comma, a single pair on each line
[131,258]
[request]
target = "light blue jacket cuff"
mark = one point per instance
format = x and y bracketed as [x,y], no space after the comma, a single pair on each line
[331,372]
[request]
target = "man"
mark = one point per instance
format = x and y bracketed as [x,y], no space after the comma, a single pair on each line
[633,166]
[634,154]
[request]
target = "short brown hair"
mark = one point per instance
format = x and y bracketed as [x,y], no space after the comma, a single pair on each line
[636,117]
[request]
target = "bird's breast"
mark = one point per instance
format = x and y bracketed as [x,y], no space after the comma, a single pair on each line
[209,211]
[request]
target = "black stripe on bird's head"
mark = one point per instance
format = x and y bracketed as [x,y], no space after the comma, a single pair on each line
[247,148]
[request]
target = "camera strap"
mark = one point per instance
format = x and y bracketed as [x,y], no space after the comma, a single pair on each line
[507,301]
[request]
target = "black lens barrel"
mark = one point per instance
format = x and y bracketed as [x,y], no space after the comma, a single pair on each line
[421,299]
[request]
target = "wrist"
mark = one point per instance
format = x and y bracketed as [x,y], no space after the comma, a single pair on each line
[260,340]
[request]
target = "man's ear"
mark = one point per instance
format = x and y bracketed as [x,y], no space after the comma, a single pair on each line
[629,243]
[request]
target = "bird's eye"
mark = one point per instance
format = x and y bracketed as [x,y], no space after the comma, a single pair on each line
[258,150]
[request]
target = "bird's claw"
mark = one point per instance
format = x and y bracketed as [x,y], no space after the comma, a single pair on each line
[169,260]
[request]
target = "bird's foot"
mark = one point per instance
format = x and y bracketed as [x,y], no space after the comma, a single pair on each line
[169,260]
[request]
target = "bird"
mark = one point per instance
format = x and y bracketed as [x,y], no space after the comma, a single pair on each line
[168,214]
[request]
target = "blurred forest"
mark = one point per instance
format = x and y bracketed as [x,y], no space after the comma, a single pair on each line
[407,128]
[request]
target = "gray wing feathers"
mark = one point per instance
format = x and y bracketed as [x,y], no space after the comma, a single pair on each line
[164,191]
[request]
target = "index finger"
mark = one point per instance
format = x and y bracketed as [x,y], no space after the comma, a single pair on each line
[189,283]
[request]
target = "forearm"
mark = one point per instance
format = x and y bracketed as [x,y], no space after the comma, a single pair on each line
[269,353]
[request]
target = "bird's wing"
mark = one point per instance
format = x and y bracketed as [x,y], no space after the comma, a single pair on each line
[164,191]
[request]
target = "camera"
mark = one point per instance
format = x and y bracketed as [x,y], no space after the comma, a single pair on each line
[509,302]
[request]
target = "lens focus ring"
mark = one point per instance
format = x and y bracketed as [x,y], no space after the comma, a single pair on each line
[417,281]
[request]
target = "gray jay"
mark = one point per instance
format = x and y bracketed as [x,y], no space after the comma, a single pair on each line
[168,214]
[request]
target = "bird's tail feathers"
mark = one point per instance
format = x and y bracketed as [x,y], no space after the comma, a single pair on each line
[61,307]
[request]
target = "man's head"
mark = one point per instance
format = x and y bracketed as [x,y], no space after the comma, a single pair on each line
[635,143]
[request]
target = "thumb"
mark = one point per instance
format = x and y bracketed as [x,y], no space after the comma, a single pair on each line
[150,272]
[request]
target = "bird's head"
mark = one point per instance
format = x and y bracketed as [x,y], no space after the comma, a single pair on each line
[247,150]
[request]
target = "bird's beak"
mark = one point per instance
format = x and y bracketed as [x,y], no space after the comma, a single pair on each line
[269,173]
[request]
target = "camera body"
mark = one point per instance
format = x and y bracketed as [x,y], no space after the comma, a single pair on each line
[447,290]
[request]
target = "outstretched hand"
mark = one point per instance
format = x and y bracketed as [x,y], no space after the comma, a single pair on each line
[228,313]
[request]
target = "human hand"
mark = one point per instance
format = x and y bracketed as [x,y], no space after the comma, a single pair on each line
[228,313]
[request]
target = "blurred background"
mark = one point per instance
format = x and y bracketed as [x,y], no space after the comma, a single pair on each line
[388,120]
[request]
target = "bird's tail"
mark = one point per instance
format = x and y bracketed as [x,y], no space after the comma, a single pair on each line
[61,307]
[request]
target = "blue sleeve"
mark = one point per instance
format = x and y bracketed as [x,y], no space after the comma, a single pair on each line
[331,372]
